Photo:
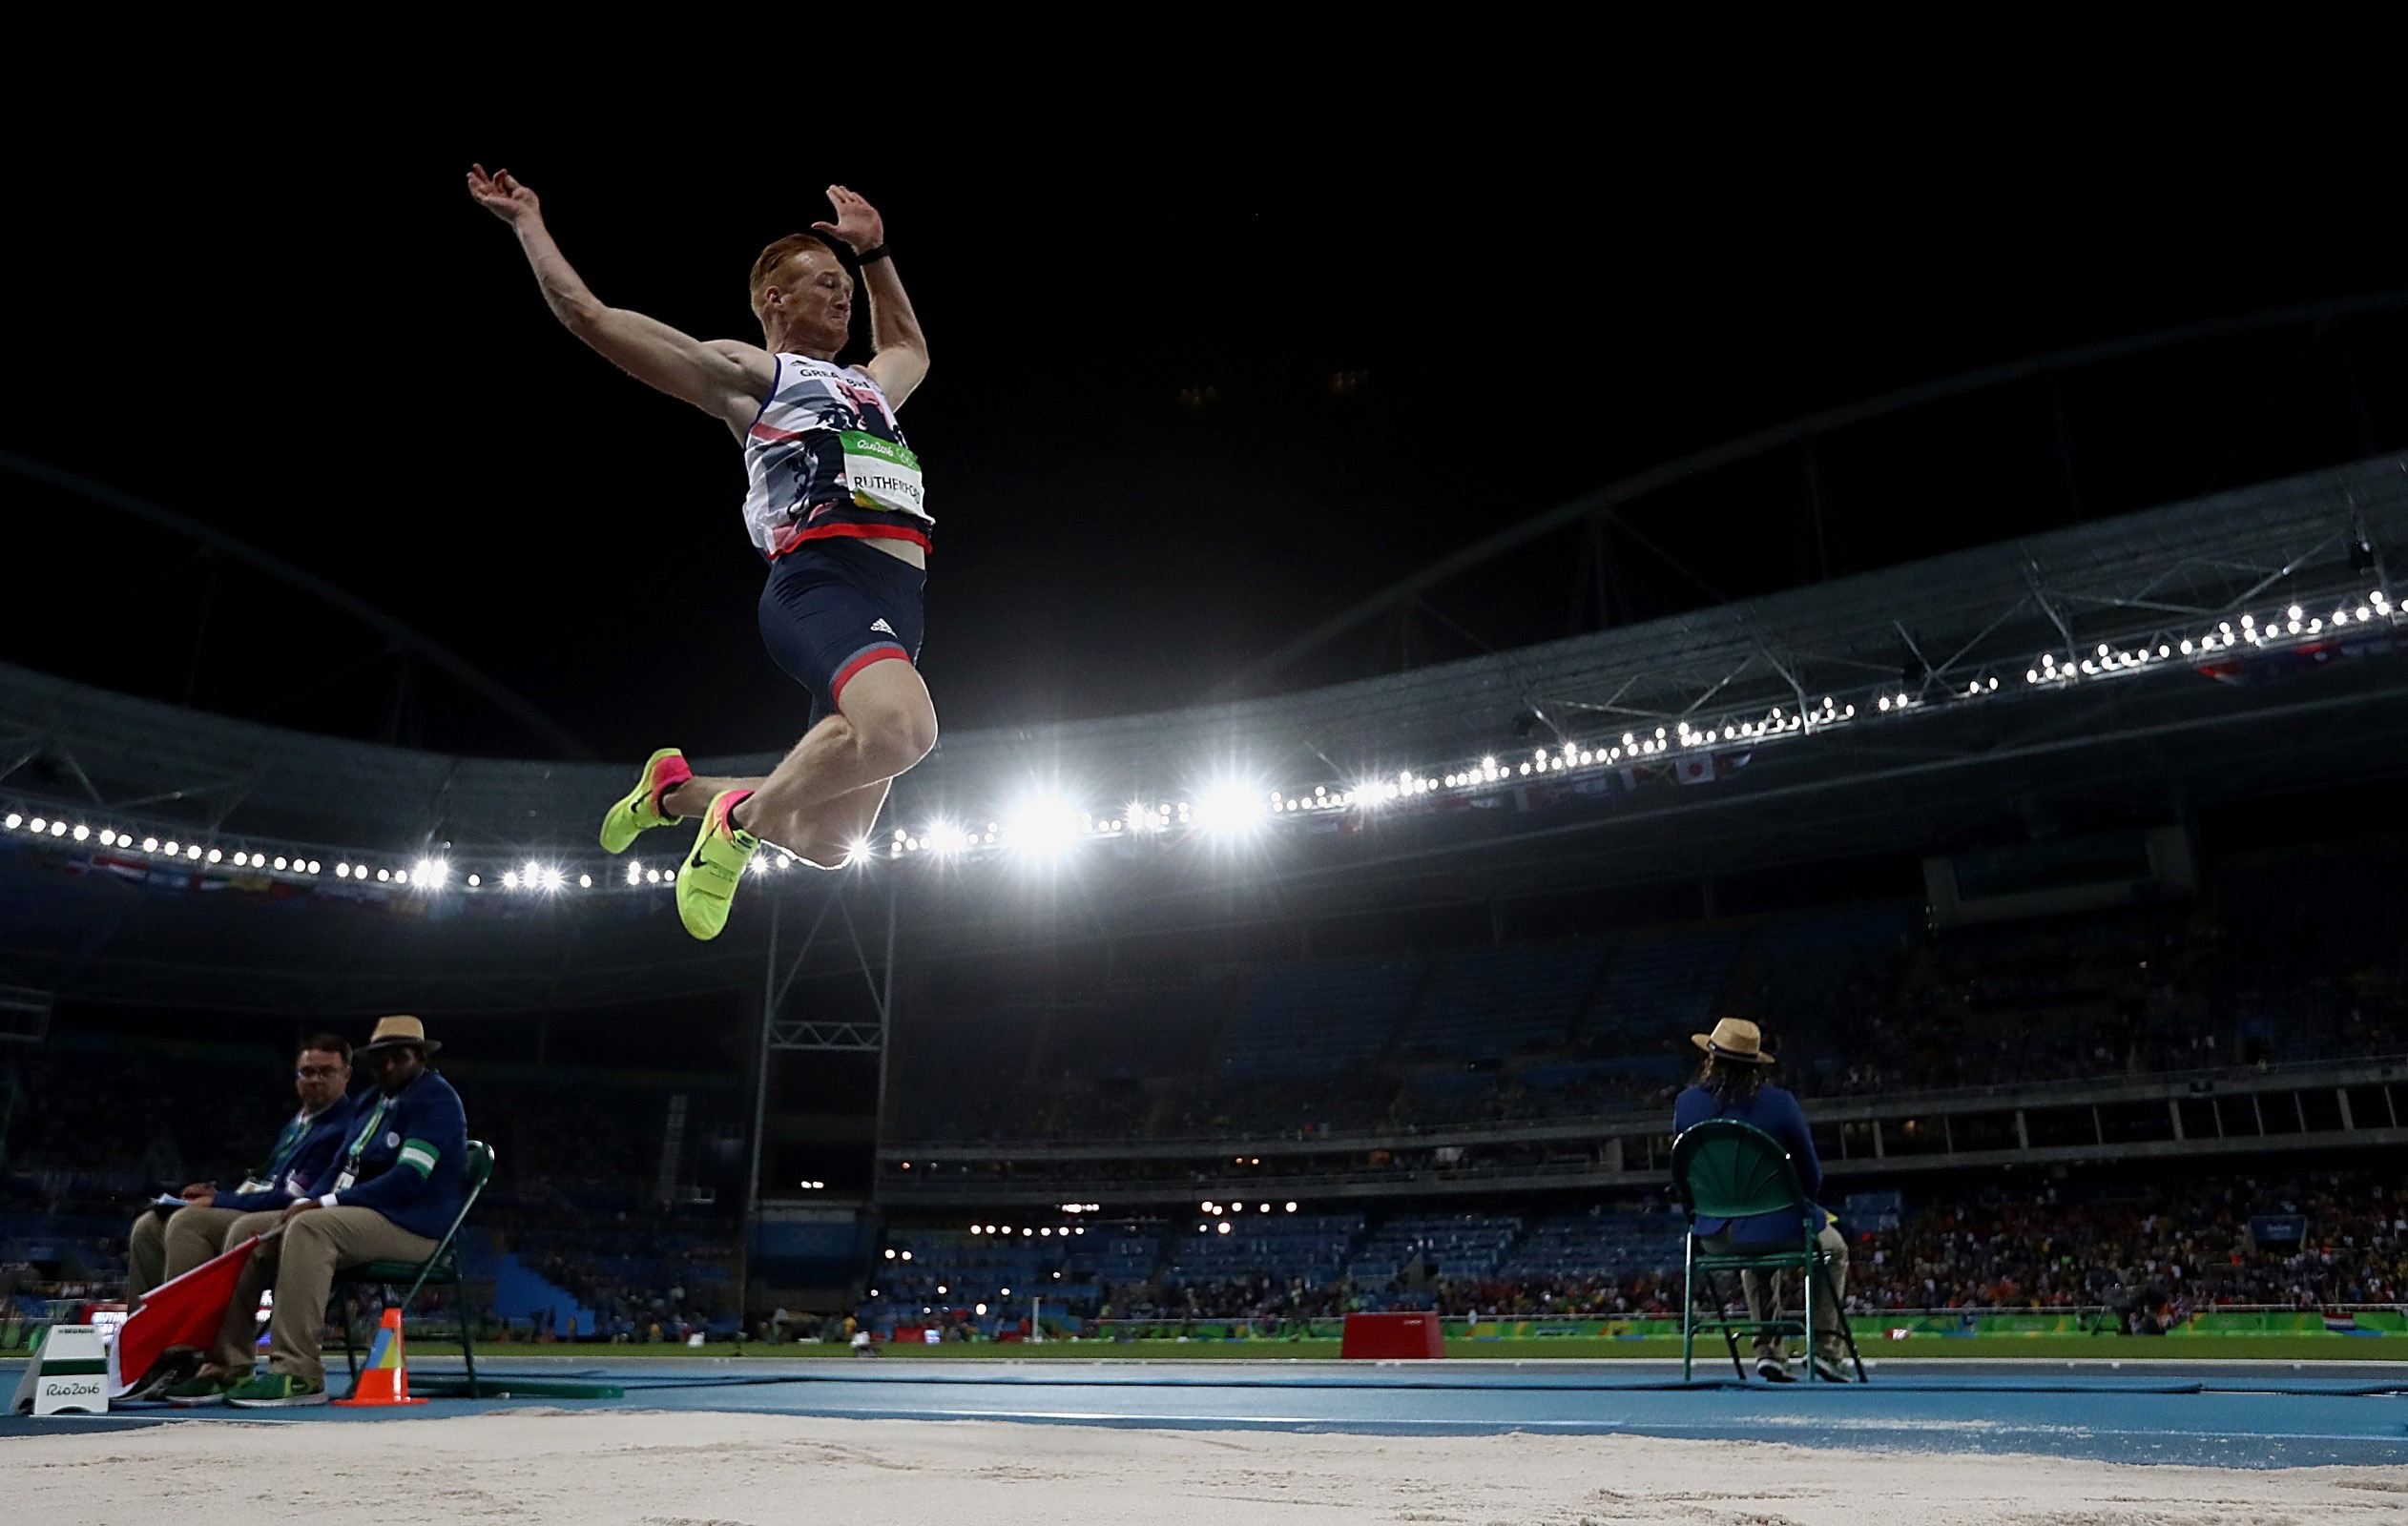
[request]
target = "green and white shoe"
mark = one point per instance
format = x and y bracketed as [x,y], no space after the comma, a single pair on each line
[208,1388]
[278,1390]
[708,877]
[641,809]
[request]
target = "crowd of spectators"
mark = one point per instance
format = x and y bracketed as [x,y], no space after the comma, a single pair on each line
[2277,963]
[2158,1252]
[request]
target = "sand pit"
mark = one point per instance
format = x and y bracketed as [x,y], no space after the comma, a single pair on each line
[539,1467]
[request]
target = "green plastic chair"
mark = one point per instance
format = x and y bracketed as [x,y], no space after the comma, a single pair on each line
[442,1267]
[1726,1170]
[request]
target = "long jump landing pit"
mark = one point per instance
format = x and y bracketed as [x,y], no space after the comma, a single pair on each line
[1170,1444]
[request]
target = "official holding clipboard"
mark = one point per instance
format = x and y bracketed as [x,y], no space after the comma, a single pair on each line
[174,1234]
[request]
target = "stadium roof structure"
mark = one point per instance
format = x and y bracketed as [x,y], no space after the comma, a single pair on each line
[2236,645]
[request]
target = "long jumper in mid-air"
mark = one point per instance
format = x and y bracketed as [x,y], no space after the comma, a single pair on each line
[834,504]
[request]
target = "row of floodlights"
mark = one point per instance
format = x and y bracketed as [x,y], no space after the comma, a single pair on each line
[1047,1232]
[430,873]
[123,842]
[2294,621]
[1047,826]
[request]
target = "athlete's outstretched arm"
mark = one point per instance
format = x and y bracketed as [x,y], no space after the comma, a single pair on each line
[893,328]
[726,379]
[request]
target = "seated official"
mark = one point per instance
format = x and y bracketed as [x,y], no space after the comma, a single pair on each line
[390,1194]
[1731,1085]
[166,1243]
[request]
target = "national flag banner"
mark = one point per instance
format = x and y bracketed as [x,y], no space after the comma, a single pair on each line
[1695,767]
[183,1310]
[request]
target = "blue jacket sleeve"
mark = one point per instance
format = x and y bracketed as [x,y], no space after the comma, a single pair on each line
[435,1130]
[1689,1107]
[311,1166]
[1790,1129]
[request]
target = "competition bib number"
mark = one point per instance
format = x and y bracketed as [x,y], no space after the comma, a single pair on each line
[882,474]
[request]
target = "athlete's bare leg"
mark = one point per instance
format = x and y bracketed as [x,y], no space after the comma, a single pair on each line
[825,794]
[826,841]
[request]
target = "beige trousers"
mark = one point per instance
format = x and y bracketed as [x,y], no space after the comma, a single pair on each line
[163,1247]
[145,1255]
[300,1266]
[1766,1302]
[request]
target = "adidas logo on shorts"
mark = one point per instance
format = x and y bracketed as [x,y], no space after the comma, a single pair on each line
[881,625]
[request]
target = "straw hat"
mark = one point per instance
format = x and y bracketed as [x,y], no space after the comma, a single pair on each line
[1733,1038]
[395,1033]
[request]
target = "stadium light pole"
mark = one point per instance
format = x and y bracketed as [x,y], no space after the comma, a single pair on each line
[885,1044]
[760,1106]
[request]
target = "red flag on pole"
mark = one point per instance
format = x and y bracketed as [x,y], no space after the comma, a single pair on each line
[184,1310]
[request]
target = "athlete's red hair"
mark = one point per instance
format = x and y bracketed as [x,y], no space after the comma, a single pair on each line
[774,259]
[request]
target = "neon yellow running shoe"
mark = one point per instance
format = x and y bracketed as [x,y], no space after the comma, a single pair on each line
[664,771]
[707,879]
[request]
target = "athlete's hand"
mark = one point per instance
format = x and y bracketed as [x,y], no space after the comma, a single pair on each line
[502,196]
[857,222]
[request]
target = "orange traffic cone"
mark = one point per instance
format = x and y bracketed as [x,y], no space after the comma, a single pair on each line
[384,1380]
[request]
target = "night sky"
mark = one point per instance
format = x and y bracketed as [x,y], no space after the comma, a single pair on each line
[1194,388]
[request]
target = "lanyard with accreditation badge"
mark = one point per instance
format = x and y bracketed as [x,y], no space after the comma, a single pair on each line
[359,1144]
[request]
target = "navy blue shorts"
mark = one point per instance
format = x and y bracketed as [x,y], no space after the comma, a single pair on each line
[832,607]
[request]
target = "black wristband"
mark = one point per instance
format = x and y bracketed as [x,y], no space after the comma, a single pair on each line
[871,257]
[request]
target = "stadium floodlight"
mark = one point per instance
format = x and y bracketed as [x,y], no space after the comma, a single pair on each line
[1231,809]
[152,845]
[552,878]
[1042,826]
[890,1253]
[1224,1227]
[509,880]
[856,856]
[384,876]
[652,877]
[58,829]
[634,874]
[1291,1205]
[585,881]
[341,871]
[82,831]
[980,1308]
[14,820]
[476,880]
[945,838]
[1006,1293]
[313,866]
[39,825]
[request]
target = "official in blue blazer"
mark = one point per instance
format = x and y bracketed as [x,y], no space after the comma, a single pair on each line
[1732,1085]
[390,1194]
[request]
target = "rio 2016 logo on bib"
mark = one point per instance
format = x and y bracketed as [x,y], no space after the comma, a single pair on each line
[882,474]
